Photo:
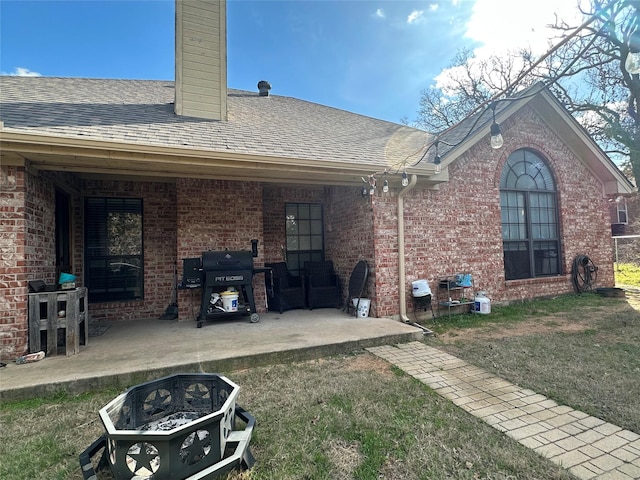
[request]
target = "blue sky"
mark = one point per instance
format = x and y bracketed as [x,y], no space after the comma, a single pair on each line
[366,56]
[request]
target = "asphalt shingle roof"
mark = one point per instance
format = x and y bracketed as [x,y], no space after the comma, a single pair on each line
[142,112]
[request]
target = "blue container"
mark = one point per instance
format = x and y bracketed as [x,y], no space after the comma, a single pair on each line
[66,278]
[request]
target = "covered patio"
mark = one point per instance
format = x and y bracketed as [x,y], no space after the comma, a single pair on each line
[126,353]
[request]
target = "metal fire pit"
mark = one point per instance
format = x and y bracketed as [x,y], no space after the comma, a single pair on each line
[176,427]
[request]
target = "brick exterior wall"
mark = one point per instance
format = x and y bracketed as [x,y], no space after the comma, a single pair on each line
[27,243]
[349,236]
[457,228]
[218,215]
[13,268]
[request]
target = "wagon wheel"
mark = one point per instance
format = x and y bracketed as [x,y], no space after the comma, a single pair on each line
[255,318]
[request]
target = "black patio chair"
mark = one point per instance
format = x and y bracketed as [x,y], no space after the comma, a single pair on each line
[287,291]
[357,282]
[322,285]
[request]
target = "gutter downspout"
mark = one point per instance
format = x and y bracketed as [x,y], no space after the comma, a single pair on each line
[402,291]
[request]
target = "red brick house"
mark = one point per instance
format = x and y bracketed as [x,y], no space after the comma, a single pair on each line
[167,170]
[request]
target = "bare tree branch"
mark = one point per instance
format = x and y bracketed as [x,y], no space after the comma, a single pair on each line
[586,71]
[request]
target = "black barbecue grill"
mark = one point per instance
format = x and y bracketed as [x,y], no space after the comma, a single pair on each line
[222,270]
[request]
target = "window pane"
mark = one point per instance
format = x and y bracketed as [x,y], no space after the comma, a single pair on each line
[516,260]
[316,227]
[513,215]
[315,211]
[305,242]
[293,262]
[546,258]
[114,249]
[304,228]
[529,215]
[303,211]
[525,182]
[316,242]
[622,216]
[292,243]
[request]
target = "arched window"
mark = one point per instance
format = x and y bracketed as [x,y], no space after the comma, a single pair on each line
[528,203]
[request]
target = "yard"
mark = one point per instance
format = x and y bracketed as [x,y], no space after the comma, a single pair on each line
[357,417]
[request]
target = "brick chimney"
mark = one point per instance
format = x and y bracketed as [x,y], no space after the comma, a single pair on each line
[201,59]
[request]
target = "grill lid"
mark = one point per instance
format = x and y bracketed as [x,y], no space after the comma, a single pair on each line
[227,260]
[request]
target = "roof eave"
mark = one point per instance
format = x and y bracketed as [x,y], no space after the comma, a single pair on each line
[100,157]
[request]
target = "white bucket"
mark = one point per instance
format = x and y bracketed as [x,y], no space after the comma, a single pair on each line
[481,304]
[229,301]
[363,306]
[421,288]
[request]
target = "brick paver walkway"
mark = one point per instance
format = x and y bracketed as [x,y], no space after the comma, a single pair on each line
[588,447]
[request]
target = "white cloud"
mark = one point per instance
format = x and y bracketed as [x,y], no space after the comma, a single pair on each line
[379,13]
[23,72]
[501,25]
[415,16]
[433,7]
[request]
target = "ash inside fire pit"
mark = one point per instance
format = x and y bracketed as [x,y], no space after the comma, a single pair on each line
[172,421]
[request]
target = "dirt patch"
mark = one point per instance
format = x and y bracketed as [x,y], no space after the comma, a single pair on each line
[344,458]
[370,362]
[549,323]
[361,362]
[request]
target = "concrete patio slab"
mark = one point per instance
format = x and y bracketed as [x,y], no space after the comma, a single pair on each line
[132,352]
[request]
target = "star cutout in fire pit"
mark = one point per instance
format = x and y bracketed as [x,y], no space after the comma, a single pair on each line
[197,395]
[157,401]
[146,457]
[195,447]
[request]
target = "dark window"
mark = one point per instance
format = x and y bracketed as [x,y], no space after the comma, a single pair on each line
[113,249]
[305,234]
[528,203]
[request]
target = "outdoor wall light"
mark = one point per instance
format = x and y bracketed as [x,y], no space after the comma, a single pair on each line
[496,137]
[370,185]
[385,186]
[405,179]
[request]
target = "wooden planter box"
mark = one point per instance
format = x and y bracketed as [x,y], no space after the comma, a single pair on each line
[44,316]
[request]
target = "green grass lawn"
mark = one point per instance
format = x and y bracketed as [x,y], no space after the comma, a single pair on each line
[579,350]
[357,417]
[627,274]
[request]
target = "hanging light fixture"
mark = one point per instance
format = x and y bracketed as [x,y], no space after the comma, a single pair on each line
[405,179]
[385,183]
[437,160]
[632,62]
[496,136]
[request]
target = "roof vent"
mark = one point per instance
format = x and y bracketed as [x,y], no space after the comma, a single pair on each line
[263,88]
